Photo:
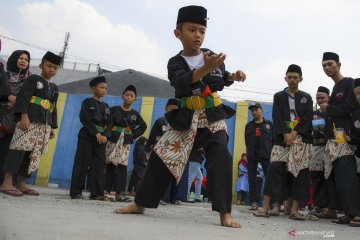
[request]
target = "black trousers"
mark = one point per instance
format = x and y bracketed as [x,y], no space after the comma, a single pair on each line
[218,166]
[171,192]
[320,189]
[134,180]
[4,149]
[89,160]
[115,178]
[281,184]
[343,183]
[17,162]
[252,173]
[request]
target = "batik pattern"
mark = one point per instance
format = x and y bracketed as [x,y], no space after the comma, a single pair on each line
[297,156]
[35,140]
[118,153]
[333,151]
[174,147]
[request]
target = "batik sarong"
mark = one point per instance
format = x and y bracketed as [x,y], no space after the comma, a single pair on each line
[118,153]
[174,147]
[35,140]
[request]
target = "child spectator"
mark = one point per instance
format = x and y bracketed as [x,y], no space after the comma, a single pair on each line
[36,113]
[90,154]
[242,183]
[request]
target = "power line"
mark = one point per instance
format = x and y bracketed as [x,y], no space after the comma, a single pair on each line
[66,55]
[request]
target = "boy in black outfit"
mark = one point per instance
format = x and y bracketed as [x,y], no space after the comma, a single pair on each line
[127,126]
[90,154]
[340,162]
[288,174]
[196,74]
[35,110]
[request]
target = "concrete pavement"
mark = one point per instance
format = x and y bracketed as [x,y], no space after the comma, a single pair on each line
[53,215]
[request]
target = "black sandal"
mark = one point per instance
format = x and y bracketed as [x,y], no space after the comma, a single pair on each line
[99,198]
[262,213]
[342,220]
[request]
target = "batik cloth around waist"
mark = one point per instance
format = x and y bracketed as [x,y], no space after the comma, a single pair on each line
[174,147]
[35,140]
[297,156]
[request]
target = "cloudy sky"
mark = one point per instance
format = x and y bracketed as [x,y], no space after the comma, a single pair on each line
[260,37]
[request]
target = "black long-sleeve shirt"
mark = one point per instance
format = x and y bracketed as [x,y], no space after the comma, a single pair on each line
[4,92]
[180,76]
[156,132]
[265,138]
[94,114]
[341,104]
[36,85]
[281,114]
[355,130]
[124,119]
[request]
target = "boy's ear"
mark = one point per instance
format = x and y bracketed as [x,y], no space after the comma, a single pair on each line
[177,33]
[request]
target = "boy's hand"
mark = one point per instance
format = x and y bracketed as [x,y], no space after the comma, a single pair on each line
[287,139]
[24,122]
[347,138]
[104,139]
[293,134]
[239,76]
[52,134]
[12,99]
[213,62]
[98,138]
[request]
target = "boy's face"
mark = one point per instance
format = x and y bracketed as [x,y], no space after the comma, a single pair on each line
[331,67]
[322,98]
[99,89]
[293,79]
[129,97]
[23,61]
[171,107]
[48,69]
[256,112]
[357,93]
[191,35]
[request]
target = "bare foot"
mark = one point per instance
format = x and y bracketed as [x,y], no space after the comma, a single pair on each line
[7,187]
[132,208]
[23,188]
[227,220]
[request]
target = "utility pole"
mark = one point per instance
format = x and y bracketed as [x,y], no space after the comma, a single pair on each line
[66,42]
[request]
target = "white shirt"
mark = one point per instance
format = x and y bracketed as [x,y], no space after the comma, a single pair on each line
[195,62]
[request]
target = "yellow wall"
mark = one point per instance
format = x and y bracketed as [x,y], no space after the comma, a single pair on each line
[239,140]
[43,173]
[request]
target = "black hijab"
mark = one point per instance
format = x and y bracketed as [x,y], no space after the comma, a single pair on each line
[12,61]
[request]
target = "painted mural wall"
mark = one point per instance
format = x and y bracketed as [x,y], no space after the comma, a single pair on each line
[56,165]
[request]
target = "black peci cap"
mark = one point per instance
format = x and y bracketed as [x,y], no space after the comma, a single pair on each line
[330,56]
[193,14]
[173,101]
[131,88]
[294,68]
[53,58]
[95,81]
[324,90]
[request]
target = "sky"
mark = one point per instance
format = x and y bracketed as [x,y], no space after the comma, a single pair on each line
[260,37]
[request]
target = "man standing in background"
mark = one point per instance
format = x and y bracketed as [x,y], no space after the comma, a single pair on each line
[259,141]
